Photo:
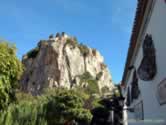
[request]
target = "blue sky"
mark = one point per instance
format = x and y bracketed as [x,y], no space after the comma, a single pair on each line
[105,25]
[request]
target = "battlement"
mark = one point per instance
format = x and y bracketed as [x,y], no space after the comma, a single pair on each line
[58,36]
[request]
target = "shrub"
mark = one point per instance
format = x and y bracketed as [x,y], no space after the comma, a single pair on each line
[48,109]
[99,75]
[71,42]
[90,100]
[92,86]
[94,52]
[33,53]
[66,106]
[105,90]
[84,50]
[85,76]
[26,112]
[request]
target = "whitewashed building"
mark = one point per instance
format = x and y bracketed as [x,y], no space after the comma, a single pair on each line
[144,78]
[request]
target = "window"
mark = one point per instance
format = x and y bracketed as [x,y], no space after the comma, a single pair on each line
[128,97]
[139,111]
[134,87]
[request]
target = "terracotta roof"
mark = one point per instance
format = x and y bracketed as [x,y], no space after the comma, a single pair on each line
[140,11]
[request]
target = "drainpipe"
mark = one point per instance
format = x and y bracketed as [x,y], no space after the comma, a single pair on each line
[111,116]
[125,116]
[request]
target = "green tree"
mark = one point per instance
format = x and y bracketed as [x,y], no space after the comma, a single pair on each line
[53,108]
[10,72]
[66,106]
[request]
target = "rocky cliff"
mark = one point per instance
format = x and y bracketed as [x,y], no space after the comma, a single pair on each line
[62,62]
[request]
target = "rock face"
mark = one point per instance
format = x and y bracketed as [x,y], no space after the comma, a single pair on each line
[59,62]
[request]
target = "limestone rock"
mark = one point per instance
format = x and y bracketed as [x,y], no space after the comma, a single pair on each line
[59,61]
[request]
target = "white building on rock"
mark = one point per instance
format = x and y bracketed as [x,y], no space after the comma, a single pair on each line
[144,78]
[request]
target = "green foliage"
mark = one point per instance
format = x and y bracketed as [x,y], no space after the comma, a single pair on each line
[96,102]
[117,92]
[72,42]
[105,90]
[10,72]
[99,75]
[81,93]
[66,106]
[84,50]
[92,102]
[92,86]
[24,113]
[85,77]
[53,108]
[33,53]
[94,52]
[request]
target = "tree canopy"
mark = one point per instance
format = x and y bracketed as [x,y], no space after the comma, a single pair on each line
[53,108]
[10,72]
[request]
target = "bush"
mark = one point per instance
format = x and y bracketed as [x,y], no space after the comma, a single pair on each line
[33,53]
[105,90]
[25,112]
[85,77]
[49,109]
[10,72]
[71,42]
[84,50]
[92,86]
[99,75]
[90,100]
[94,52]
[66,106]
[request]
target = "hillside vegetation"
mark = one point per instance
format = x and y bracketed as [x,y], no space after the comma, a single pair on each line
[55,106]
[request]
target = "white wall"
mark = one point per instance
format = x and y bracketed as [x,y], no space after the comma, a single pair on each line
[157,28]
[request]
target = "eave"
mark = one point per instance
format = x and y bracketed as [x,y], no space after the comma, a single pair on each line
[140,12]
